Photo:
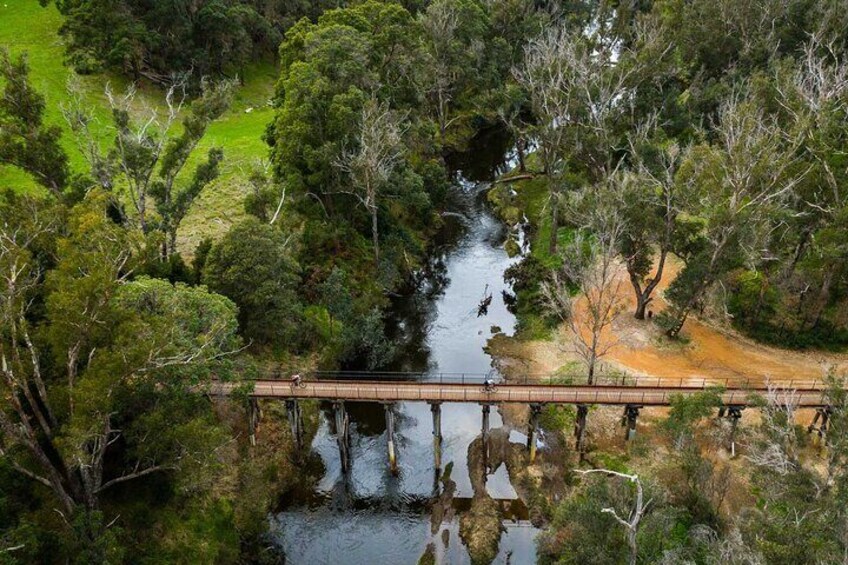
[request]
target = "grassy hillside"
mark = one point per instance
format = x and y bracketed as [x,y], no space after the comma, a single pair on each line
[27,27]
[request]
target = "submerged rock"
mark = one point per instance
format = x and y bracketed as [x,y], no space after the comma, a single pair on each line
[480,529]
[429,555]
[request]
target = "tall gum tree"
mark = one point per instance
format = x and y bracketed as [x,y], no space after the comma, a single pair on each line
[100,388]
[25,140]
[580,84]
[743,182]
[147,158]
[653,201]
[375,157]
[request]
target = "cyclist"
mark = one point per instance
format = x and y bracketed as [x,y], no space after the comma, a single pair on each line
[296,380]
[489,384]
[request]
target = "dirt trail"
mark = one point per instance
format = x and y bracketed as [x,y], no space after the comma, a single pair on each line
[711,353]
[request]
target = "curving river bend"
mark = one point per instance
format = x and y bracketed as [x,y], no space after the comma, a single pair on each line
[370,516]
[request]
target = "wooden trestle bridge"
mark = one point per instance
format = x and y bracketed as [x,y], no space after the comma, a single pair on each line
[632,393]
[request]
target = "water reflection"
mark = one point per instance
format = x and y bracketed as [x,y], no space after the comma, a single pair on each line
[372,536]
[370,516]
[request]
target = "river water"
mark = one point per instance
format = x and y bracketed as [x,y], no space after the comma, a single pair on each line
[370,516]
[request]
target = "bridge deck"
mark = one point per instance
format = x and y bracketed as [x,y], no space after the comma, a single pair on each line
[376,391]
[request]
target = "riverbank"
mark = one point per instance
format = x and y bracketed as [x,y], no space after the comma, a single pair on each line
[707,349]
[641,348]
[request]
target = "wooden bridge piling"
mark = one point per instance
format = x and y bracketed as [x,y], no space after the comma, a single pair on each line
[253,415]
[436,409]
[295,421]
[342,421]
[580,428]
[734,414]
[533,429]
[628,420]
[486,410]
[822,414]
[390,434]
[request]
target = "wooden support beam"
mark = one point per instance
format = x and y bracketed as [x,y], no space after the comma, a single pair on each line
[734,414]
[628,420]
[295,421]
[436,409]
[580,429]
[342,421]
[486,410]
[533,430]
[390,434]
[253,415]
[822,414]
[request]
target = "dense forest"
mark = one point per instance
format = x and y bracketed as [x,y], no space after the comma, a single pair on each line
[675,162]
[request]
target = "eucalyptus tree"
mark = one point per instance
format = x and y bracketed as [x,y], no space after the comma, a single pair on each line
[148,157]
[254,266]
[653,202]
[329,70]
[100,381]
[801,504]
[743,182]
[154,39]
[813,96]
[457,58]
[267,197]
[354,60]
[546,75]
[580,83]
[637,512]
[374,158]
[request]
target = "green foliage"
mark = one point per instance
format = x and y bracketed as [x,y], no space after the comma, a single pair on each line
[580,532]
[366,341]
[147,160]
[329,69]
[702,483]
[252,266]
[689,410]
[201,253]
[111,368]
[787,485]
[558,419]
[156,39]
[97,542]
[239,130]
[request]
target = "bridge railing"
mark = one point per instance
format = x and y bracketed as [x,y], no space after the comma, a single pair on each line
[618,380]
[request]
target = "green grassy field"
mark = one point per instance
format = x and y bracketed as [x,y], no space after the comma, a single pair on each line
[27,27]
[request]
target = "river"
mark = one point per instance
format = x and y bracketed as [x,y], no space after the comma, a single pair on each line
[370,516]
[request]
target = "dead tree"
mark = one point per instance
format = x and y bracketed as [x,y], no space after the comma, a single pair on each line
[591,263]
[578,88]
[631,524]
[776,447]
[374,158]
